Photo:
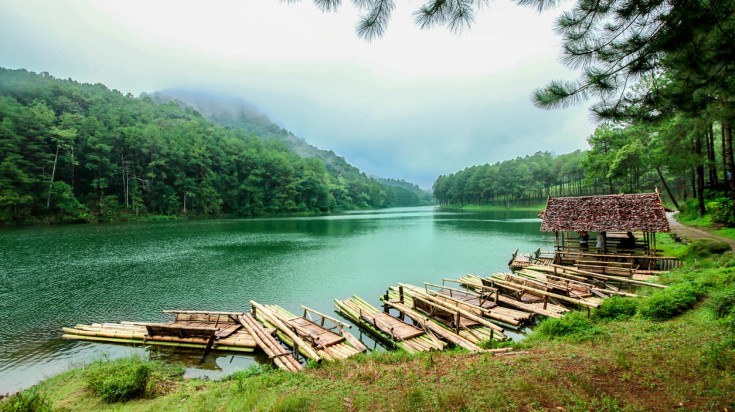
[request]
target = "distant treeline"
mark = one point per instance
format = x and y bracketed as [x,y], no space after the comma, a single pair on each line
[685,158]
[72,152]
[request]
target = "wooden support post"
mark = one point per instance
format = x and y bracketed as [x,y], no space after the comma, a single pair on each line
[546,301]
[400,294]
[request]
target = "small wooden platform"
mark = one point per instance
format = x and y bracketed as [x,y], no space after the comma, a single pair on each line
[367,317]
[463,319]
[396,328]
[316,340]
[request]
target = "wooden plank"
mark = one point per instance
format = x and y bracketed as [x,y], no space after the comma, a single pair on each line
[318,334]
[228,330]
[395,327]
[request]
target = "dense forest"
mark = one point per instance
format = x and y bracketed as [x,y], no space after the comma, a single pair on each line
[72,152]
[687,159]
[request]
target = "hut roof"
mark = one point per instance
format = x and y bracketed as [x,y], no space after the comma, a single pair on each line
[634,212]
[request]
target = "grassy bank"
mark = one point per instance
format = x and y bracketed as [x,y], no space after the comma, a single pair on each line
[674,349]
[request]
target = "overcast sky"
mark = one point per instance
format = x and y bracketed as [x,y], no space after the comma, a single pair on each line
[411,105]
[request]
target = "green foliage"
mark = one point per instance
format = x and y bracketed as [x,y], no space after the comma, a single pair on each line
[26,401]
[722,302]
[240,377]
[670,302]
[703,248]
[72,152]
[616,308]
[120,380]
[519,181]
[574,326]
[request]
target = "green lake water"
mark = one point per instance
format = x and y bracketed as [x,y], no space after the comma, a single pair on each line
[52,277]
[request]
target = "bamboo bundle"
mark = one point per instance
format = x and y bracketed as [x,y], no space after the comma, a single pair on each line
[430,325]
[548,277]
[230,338]
[269,345]
[241,342]
[565,270]
[467,310]
[265,315]
[512,318]
[528,278]
[540,308]
[354,308]
[540,292]
[484,331]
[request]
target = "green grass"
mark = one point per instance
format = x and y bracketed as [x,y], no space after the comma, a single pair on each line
[727,232]
[669,247]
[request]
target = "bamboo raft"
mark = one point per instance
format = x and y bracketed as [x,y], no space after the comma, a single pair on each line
[191,329]
[587,276]
[388,329]
[325,338]
[463,319]
[515,297]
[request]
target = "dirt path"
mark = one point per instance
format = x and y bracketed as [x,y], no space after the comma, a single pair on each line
[694,233]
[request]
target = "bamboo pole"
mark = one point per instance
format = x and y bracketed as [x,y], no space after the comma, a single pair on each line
[303,347]
[471,308]
[270,346]
[553,295]
[466,314]
[608,277]
[426,323]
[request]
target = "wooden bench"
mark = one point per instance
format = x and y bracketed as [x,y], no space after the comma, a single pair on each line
[396,328]
[181,331]
[314,333]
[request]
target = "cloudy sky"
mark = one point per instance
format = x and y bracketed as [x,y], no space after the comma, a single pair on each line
[412,105]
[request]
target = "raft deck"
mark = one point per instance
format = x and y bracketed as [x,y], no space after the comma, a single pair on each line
[326,337]
[388,329]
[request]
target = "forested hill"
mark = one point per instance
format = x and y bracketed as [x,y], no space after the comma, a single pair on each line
[81,152]
[235,112]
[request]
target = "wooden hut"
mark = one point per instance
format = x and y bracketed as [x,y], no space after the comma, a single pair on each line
[610,217]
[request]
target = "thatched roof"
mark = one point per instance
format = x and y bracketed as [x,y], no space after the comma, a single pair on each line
[639,212]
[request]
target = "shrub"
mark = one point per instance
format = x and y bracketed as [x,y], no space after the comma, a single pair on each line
[26,401]
[617,308]
[721,210]
[119,380]
[573,326]
[723,302]
[668,303]
[702,248]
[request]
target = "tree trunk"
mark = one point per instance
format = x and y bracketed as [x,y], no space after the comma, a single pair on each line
[700,173]
[725,170]
[712,166]
[51,183]
[666,186]
[727,126]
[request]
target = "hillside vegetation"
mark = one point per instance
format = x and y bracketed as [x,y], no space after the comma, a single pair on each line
[72,152]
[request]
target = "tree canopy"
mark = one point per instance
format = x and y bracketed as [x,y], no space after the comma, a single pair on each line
[79,152]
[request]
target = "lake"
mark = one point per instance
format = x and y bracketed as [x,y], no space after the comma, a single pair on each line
[51,277]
